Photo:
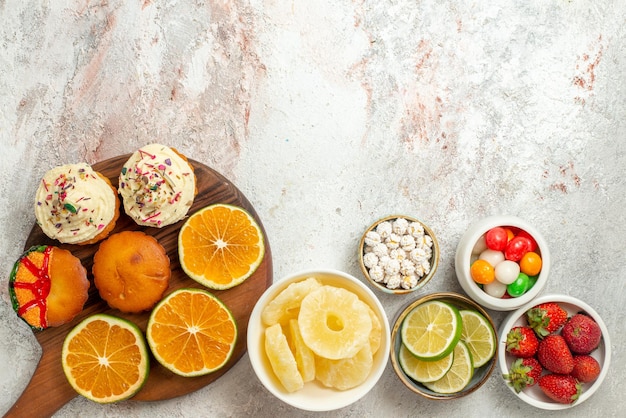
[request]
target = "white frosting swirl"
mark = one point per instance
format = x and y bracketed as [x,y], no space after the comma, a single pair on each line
[73,203]
[157,186]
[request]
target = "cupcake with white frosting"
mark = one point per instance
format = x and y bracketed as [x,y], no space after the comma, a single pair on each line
[157,185]
[75,204]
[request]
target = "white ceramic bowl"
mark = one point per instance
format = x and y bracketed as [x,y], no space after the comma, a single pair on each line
[314,396]
[434,259]
[463,259]
[481,374]
[533,395]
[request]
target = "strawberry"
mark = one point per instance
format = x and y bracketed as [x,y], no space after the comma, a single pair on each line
[522,342]
[582,334]
[554,354]
[546,318]
[560,388]
[524,372]
[586,368]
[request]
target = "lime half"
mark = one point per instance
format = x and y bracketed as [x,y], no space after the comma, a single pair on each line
[479,336]
[423,371]
[431,330]
[459,375]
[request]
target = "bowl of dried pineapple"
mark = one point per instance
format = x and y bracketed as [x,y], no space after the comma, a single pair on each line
[318,340]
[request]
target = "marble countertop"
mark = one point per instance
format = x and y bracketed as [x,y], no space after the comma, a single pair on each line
[328,115]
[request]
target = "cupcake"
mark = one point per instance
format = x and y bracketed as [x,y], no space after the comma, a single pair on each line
[131,271]
[76,205]
[157,185]
[48,286]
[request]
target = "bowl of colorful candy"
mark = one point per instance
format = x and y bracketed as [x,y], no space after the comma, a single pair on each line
[502,262]
[398,254]
[555,352]
[444,346]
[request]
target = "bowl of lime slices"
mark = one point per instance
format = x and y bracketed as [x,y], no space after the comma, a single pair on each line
[444,346]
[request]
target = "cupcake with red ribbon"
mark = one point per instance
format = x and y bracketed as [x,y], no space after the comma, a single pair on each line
[48,286]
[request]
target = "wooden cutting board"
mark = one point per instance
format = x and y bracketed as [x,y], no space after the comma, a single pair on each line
[48,390]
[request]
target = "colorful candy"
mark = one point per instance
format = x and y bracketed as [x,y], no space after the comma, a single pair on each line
[507,262]
[507,271]
[519,286]
[497,238]
[482,272]
[530,263]
[495,289]
[516,248]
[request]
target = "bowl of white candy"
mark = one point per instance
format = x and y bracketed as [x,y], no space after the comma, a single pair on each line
[398,254]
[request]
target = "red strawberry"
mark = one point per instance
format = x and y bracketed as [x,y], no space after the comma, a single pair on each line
[524,372]
[586,369]
[560,388]
[522,342]
[582,334]
[553,354]
[546,318]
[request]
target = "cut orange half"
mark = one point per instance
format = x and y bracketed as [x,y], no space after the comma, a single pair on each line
[191,332]
[105,358]
[220,246]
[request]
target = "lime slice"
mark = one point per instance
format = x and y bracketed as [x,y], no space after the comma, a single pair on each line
[423,371]
[479,336]
[431,330]
[459,375]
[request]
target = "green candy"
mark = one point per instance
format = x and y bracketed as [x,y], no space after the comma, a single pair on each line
[519,286]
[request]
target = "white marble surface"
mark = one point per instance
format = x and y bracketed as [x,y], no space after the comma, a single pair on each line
[329,115]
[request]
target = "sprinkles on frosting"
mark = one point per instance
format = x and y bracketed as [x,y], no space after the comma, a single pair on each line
[65,204]
[157,186]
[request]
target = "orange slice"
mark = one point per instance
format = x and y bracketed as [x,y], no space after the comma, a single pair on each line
[191,332]
[105,358]
[220,246]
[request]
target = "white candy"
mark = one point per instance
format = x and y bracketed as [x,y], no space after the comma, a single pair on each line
[506,272]
[407,267]
[480,246]
[384,229]
[372,238]
[419,270]
[370,260]
[418,255]
[492,257]
[400,226]
[393,241]
[495,289]
[377,273]
[383,261]
[407,242]
[393,267]
[394,281]
[380,249]
[416,229]
[408,281]
[397,253]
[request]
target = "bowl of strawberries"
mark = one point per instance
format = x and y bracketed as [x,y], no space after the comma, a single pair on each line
[555,352]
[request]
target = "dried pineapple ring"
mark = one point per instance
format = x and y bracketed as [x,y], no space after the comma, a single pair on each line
[376,335]
[286,304]
[345,373]
[305,359]
[282,359]
[334,322]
